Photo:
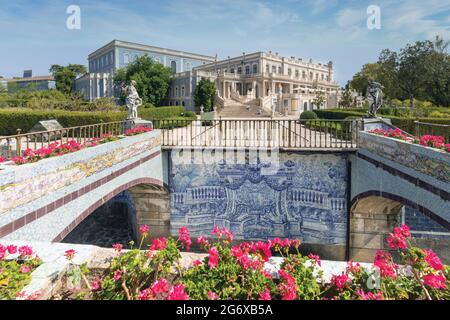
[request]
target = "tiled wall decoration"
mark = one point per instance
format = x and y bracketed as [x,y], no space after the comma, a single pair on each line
[305,198]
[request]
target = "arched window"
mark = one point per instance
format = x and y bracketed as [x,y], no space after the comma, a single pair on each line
[247,69]
[274,69]
[311,75]
[232,70]
[255,68]
[303,74]
[182,91]
[176,103]
[267,68]
[280,71]
[173,66]
[183,104]
[239,70]
[289,71]
[176,91]
[297,73]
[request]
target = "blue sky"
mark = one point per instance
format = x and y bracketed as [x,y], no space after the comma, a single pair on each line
[34,33]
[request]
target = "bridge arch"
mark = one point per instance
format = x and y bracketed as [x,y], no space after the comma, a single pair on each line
[150,198]
[373,215]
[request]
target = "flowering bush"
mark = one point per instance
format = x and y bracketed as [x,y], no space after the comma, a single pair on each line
[426,140]
[137,130]
[16,265]
[238,272]
[57,149]
[2,159]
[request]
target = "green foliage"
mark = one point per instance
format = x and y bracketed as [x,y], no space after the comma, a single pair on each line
[12,279]
[204,94]
[418,71]
[65,76]
[12,119]
[308,115]
[152,79]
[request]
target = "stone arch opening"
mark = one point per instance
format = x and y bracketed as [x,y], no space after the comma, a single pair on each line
[117,216]
[373,215]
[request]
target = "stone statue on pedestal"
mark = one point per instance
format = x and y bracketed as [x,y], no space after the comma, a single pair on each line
[133,101]
[375,98]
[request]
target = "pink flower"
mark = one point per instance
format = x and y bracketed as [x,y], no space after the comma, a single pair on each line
[217,231]
[435,281]
[265,295]
[25,269]
[144,230]
[117,275]
[340,281]
[315,258]
[353,267]
[160,286]
[197,263]
[96,284]
[11,249]
[69,254]
[383,260]
[145,294]
[213,259]
[369,296]
[118,247]
[228,234]
[288,288]
[177,293]
[212,296]
[433,260]
[158,244]
[25,251]
[263,249]
[398,239]
[2,159]
[185,237]
[203,241]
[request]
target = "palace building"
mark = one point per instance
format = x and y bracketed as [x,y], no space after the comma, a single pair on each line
[261,83]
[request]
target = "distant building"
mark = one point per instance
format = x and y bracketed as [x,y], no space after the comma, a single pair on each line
[28,82]
[279,85]
[104,62]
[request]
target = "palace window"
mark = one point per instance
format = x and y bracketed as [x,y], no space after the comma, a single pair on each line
[173,66]
[303,74]
[247,69]
[274,69]
[297,73]
[182,91]
[311,75]
[239,70]
[317,76]
[126,58]
[321,77]
[328,78]
[267,68]
[289,71]
[176,91]
[232,70]
[280,71]
[255,68]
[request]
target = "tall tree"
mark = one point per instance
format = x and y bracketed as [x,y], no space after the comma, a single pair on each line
[437,87]
[65,76]
[347,99]
[320,98]
[413,68]
[204,94]
[152,79]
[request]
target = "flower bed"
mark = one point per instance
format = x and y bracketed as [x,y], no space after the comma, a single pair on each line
[58,149]
[436,142]
[16,265]
[238,272]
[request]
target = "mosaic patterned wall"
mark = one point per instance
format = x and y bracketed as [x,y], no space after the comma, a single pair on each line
[305,198]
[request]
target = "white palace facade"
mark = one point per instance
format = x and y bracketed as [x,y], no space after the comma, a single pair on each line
[260,83]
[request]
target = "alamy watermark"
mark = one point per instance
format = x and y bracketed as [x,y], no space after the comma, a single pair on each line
[73,22]
[374,17]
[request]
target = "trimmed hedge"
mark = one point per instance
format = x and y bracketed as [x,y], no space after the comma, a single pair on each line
[11,119]
[406,124]
[306,115]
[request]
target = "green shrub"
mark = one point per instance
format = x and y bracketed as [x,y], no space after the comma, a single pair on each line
[13,118]
[308,115]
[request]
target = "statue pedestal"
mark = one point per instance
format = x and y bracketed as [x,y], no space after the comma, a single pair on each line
[137,122]
[377,123]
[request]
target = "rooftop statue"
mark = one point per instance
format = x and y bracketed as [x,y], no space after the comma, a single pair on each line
[375,97]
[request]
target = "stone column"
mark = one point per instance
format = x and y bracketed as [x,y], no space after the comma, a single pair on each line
[263,88]
[152,208]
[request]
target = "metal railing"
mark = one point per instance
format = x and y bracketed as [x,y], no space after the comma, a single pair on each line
[434,129]
[270,133]
[12,146]
[247,133]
